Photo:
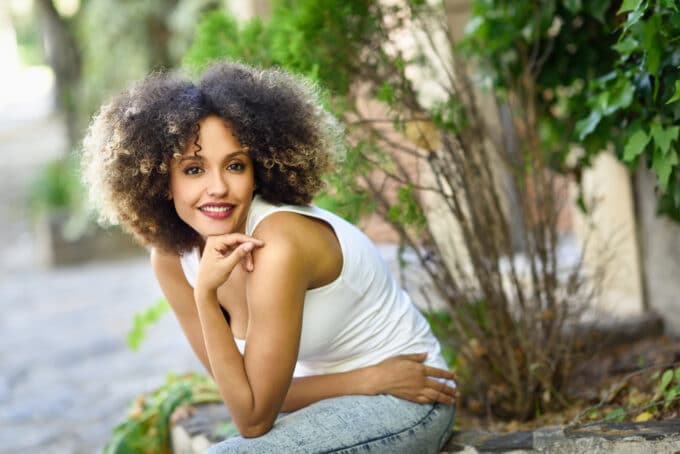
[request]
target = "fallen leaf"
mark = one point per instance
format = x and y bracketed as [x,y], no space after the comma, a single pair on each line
[643,417]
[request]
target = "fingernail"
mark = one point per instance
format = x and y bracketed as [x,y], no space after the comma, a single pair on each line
[248,247]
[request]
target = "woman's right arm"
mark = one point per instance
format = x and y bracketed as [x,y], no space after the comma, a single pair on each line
[402,376]
[180,296]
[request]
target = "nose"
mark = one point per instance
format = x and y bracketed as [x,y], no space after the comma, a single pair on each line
[217,185]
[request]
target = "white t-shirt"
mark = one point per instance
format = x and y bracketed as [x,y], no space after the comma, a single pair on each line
[359,319]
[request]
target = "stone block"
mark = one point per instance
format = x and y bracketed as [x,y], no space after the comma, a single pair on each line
[55,247]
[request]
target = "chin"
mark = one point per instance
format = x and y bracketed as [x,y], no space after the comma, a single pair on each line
[214,232]
[205,230]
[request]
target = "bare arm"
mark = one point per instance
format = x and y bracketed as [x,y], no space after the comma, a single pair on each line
[254,386]
[403,376]
[302,392]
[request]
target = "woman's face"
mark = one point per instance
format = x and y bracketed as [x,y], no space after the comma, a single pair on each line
[212,190]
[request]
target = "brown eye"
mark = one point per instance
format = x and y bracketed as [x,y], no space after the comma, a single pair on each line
[192,170]
[236,166]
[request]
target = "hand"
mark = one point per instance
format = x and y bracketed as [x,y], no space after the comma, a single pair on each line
[220,256]
[406,377]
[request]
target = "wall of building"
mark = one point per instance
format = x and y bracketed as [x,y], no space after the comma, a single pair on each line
[660,252]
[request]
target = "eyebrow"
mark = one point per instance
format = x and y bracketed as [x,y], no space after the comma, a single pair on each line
[197,157]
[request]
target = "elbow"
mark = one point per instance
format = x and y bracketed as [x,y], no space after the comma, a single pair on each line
[254,426]
[254,430]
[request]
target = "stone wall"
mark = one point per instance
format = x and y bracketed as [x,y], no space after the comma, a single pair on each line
[660,251]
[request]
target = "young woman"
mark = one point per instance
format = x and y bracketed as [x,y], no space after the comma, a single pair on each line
[311,342]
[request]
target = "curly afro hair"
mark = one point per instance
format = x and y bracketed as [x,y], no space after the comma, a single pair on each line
[132,142]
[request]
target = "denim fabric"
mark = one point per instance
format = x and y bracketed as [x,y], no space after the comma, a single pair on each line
[352,424]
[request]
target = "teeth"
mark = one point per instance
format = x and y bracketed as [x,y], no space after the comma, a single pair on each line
[214,209]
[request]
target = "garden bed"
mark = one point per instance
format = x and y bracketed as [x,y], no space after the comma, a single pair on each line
[620,383]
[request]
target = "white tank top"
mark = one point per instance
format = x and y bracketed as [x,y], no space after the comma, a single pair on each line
[359,319]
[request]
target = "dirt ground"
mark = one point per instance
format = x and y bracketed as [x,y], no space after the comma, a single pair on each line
[620,383]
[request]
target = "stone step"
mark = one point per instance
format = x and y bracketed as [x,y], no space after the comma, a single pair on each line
[194,434]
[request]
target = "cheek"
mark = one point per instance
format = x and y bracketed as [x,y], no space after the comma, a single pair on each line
[181,190]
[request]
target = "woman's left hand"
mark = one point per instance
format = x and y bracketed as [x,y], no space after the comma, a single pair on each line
[220,256]
[406,377]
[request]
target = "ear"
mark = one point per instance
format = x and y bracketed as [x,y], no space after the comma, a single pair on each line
[168,196]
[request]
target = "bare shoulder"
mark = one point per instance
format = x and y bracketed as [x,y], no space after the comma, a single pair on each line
[281,223]
[283,251]
[280,233]
[308,245]
[290,228]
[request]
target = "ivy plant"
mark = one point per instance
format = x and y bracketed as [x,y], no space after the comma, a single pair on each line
[638,100]
[606,72]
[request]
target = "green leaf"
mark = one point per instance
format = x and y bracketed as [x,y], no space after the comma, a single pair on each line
[635,145]
[632,19]
[663,137]
[142,320]
[629,5]
[663,167]
[588,125]
[574,6]
[651,44]
[676,95]
[616,415]
[677,375]
[406,210]
[602,101]
[665,380]
[626,46]
[620,96]
[386,93]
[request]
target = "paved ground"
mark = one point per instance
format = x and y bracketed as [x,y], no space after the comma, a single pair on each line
[67,372]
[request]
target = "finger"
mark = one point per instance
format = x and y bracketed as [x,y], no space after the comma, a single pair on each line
[247,262]
[237,255]
[436,396]
[440,373]
[441,387]
[224,244]
[422,399]
[233,239]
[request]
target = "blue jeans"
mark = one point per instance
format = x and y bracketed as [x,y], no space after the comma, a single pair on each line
[352,424]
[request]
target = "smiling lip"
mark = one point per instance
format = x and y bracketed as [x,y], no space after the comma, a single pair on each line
[217,210]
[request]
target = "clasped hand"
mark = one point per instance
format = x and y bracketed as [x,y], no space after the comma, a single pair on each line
[406,377]
[220,256]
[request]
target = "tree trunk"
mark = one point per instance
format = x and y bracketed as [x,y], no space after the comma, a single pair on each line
[63,56]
